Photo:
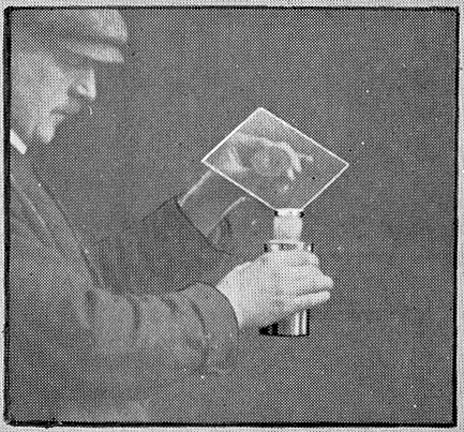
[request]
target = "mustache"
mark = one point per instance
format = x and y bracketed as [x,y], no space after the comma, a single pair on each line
[70,108]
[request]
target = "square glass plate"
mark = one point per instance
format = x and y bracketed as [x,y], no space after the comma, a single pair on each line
[274,162]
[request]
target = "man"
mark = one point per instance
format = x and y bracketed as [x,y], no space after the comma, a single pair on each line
[91,334]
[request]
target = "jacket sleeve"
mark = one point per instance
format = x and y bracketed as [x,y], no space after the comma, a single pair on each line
[163,252]
[83,339]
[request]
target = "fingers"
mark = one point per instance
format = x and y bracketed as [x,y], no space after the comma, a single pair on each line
[303,272]
[290,173]
[290,258]
[296,164]
[310,300]
[240,137]
[235,164]
[286,148]
[313,281]
[306,157]
[298,272]
[231,162]
[293,155]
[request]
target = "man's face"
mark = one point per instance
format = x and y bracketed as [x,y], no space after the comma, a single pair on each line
[49,85]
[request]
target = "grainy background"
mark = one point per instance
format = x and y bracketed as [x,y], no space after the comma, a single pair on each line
[377,87]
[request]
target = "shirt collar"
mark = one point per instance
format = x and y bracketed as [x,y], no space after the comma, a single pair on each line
[17,142]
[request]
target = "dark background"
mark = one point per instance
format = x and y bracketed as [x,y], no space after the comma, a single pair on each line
[377,87]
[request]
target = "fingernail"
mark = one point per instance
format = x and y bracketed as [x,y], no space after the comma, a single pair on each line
[329,282]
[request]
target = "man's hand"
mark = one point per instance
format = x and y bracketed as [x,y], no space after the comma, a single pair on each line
[210,200]
[274,286]
[213,197]
[248,154]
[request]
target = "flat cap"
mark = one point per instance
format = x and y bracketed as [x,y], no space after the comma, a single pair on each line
[96,33]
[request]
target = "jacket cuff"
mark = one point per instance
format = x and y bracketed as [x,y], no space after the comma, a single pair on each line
[220,327]
[168,225]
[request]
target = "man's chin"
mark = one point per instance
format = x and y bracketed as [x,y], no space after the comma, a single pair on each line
[46,134]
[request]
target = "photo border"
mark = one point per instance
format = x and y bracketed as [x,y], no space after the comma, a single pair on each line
[459,206]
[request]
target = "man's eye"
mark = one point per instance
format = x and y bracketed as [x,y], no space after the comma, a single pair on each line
[70,59]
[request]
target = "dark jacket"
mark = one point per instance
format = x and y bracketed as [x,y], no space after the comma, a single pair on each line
[106,328]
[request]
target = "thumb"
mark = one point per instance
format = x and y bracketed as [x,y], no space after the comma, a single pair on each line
[294,257]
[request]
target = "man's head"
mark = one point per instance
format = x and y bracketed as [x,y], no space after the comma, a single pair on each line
[53,57]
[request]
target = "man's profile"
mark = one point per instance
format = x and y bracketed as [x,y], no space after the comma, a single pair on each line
[77,351]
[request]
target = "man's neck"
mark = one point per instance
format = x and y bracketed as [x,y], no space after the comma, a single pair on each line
[17,142]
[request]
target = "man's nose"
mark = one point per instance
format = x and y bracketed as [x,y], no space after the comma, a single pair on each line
[86,85]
